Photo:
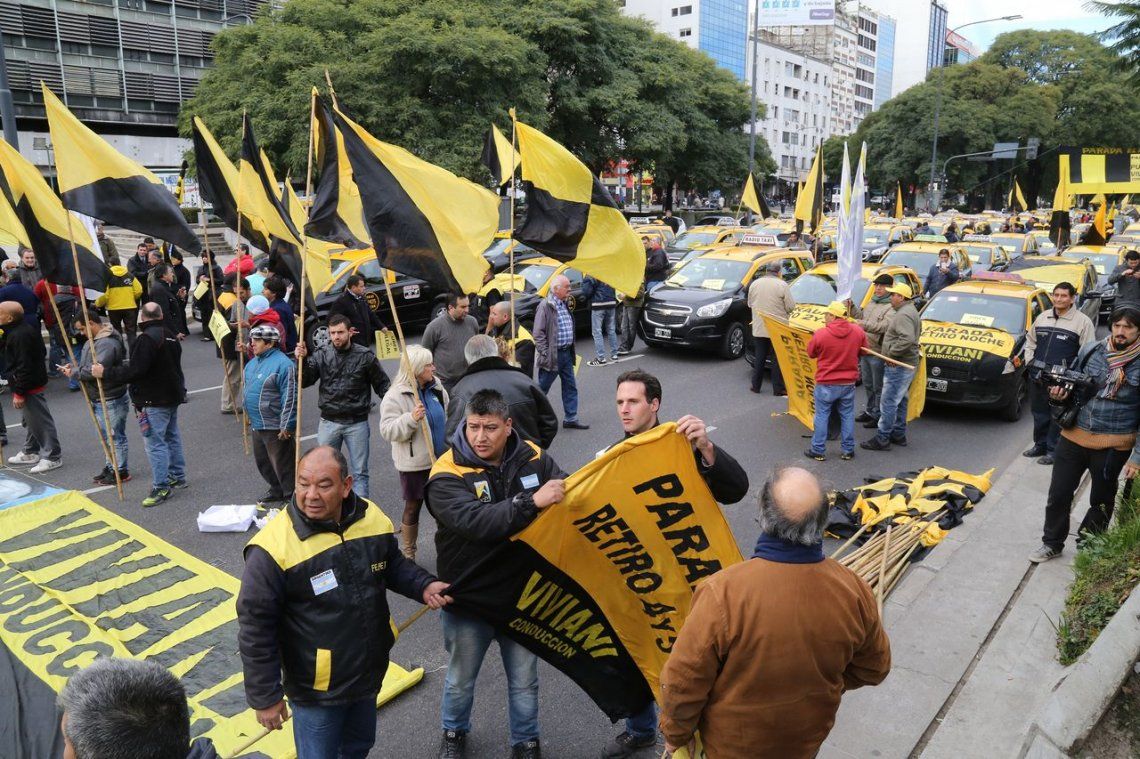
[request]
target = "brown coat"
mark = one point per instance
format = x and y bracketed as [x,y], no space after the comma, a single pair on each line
[769,294]
[764,656]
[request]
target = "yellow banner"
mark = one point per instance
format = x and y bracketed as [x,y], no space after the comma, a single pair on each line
[798,369]
[82,582]
[959,342]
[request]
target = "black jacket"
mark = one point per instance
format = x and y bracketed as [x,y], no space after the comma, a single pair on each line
[524,345]
[531,412]
[26,358]
[364,320]
[313,619]
[474,503]
[139,268]
[345,377]
[173,309]
[726,478]
[656,265]
[155,371]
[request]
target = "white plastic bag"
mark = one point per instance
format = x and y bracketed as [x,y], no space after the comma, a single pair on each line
[231,518]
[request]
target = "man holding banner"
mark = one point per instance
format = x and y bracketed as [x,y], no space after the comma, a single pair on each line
[488,486]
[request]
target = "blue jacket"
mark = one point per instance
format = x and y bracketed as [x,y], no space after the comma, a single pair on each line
[19,293]
[599,293]
[288,322]
[1110,416]
[271,391]
[936,279]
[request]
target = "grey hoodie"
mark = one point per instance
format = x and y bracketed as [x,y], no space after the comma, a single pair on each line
[110,350]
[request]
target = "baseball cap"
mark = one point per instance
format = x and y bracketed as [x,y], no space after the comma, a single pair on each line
[835,308]
[902,289]
[884,279]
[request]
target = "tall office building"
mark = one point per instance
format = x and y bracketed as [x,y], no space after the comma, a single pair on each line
[884,60]
[923,24]
[716,27]
[124,67]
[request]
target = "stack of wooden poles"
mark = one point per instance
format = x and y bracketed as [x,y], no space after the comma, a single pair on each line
[883,558]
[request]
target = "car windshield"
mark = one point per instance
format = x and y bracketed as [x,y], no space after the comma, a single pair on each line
[819,289]
[534,275]
[876,237]
[498,247]
[690,240]
[979,254]
[711,273]
[1012,243]
[977,310]
[1104,262]
[917,260]
[370,270]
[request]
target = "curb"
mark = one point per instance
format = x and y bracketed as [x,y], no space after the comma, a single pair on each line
[1079,701]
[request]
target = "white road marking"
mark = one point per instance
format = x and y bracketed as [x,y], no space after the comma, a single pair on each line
[204,389]
[98,489]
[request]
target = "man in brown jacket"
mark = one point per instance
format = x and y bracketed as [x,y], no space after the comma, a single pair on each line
[771,644]
[768,294]
[873,318]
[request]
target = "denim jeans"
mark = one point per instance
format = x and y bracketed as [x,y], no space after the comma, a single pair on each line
[1046,432]
[871,370]
[466,640]
[355,436]
[164,446]
[117,410]
[344,731]
[827,396]
[58,355]
[630,315]
[603,324]
[644,723]
[892,407]
[569,383]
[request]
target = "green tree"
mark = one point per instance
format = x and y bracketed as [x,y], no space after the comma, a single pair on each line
[1125,34]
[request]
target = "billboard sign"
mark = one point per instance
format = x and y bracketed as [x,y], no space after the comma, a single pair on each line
[796,12]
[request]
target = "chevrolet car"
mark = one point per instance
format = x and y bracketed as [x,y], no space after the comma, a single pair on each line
[1048,271]
[973,337]
[880,238]
[817,287]
[701,238]
[532,283]
[984,254]
[1104,259]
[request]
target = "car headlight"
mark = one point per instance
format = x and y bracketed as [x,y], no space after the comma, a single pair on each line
[715,309]
[879,251]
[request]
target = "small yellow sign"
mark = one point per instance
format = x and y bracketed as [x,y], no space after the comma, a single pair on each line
[219,327]
[387,346]
[201,290]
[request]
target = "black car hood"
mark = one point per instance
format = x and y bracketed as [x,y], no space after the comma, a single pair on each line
[687,296]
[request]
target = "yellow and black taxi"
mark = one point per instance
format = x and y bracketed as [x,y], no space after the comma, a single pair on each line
[696,240]
[417,300]
[920,254]
[1016,243]
[498,254]
[704,304]
[1047,272]
[645,225]
[879,238]
[984,253]
[1045,246]
[532,283]
[1104,259]
[973,336]
[816,288]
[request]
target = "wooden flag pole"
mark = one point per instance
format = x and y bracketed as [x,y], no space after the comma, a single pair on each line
[511,240]
[240,339]
[226,388]
[303,284]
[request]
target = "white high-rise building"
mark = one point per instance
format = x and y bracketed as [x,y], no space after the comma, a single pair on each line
[923,24]
[716,27]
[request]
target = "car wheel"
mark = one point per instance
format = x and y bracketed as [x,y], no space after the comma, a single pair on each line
[733,346]
[318,337]
[750,352]
[438,309]
[1011,411]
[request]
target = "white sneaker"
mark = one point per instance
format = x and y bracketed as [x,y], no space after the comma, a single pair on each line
[22,459]
[45,465]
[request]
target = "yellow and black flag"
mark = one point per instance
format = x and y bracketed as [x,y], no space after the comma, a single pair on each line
[809,203]
[898,200]
[218,184]
[423,220]
[337,213]
[753,200]
[1097,233]
[259,196]
[99,181]
[318,270]
[1059,220]
[571,216]
[1015,201]
[499,156]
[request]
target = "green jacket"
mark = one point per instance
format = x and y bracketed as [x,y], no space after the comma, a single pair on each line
[900,341]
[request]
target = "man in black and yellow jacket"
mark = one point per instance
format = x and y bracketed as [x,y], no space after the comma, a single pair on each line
[313,613]
[488,486]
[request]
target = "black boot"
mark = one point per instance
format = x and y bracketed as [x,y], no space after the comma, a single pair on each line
[526,750]
[453,745]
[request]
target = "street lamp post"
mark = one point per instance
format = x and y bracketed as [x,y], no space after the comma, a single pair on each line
[755,59]
[938,103]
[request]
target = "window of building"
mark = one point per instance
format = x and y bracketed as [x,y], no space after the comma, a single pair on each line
[683,10]
[685,33]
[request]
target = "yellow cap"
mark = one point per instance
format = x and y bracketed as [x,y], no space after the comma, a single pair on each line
[835,308]
[902,289]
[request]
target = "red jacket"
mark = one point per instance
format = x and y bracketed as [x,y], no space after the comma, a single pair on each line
[835,348]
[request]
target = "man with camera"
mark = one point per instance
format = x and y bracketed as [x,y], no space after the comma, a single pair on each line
[1053,340]
[1099,400]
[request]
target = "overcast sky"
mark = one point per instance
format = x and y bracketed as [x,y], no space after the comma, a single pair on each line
[1039,14]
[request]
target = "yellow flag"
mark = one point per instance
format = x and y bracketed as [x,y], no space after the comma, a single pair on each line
[809,203]
[898,200]
[318,268]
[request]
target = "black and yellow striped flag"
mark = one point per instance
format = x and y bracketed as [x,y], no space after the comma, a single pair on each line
[337,213]
[571,216]
[423,220]
[218,182]
[99,181]
[259,197]
[1015,201]
[1097,233]
[499,156]
[809,202]
[44,220]
[1059,219]
[319,270]
[753,200]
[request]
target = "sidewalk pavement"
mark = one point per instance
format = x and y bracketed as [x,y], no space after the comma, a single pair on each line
[973,648]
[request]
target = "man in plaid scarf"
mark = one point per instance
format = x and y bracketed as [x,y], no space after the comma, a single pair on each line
[1103,440]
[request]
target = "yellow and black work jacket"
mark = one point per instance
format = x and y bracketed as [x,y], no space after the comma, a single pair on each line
[477,505]
[313,609]
[522,344]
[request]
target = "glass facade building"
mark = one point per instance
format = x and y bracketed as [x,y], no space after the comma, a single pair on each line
[723,33]
[936,43]
[885,61]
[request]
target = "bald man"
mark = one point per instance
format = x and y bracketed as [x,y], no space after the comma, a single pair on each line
[554,349]
[25,357]
[772,643]
[517,338]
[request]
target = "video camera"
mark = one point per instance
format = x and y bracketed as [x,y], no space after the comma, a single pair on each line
[1059,375]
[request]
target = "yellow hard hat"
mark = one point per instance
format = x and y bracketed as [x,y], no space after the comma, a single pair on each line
[902,289]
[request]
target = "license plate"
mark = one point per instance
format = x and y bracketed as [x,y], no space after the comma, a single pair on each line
[666,333]
[937,385]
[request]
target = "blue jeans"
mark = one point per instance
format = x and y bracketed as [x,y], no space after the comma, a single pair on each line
[57,355]
[117,410]
[1046,432]
[603,324]
[345,731]
[355,436]
[644,723]
[871,369]
[893,403]
[164,446]
[466,640]
[827,396]
[565,370]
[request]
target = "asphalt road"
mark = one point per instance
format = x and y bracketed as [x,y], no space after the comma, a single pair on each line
[751,427]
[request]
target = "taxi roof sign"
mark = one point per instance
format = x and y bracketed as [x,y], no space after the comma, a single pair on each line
[930,238]
[977,238]
[768,240]
[726,221]
[640,220]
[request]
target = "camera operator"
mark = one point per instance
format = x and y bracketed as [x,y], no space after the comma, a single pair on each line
[1054,339]
[1103,438]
